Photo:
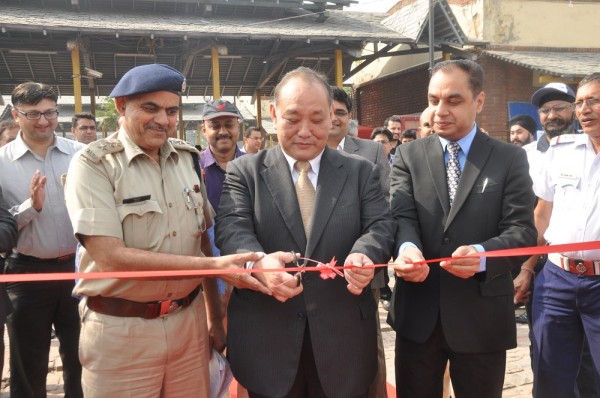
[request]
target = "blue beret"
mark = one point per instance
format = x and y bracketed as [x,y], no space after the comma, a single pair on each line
[149,78]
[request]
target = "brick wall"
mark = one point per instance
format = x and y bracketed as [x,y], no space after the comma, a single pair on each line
[504,82]
[406,92]
[397,95]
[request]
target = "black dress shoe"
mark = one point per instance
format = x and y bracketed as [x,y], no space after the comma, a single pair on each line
[521,318]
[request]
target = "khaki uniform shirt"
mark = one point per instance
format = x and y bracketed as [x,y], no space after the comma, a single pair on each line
[114,189]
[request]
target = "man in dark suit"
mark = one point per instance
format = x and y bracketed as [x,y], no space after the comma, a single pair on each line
[314,338]
[455,193]
[8,239]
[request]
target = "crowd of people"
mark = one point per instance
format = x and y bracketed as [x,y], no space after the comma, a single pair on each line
[259,219]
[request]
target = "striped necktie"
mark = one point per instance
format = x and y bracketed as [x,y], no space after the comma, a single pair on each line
[452,170]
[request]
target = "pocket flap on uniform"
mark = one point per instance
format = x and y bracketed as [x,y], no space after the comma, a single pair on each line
[138,209]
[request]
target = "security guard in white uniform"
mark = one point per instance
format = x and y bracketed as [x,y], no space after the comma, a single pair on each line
[566,302]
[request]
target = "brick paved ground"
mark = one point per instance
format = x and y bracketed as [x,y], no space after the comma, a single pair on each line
[517,383]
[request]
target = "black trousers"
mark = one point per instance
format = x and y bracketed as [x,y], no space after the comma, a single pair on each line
[307,383]
[36,307]
[5,309]
[588,383]
[420,369]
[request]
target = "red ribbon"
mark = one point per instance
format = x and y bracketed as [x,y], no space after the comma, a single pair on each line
[63,276]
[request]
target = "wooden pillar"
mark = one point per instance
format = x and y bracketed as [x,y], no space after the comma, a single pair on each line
[338,68]
[92,98]
[76,77]
[258,110]
[215,73]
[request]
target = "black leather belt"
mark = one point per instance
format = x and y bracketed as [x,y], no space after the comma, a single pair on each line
[31,259]
[133,309]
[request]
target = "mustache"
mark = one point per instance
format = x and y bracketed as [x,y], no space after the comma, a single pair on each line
[223,137]
[152,126]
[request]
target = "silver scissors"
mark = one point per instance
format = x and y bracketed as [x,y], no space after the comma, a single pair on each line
[298,274]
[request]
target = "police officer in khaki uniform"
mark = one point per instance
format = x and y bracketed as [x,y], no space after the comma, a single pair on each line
[136,203]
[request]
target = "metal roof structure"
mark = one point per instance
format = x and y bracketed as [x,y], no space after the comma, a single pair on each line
[570,65]
[258,40]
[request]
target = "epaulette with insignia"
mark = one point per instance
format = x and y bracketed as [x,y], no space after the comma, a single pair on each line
[180,144]
[96,150]
[563,139]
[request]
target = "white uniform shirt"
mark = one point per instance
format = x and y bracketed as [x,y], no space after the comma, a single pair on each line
[47,234]
[571,180]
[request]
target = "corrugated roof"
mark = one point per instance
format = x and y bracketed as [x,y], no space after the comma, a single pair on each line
[339,24]
[412,21]
[563,64]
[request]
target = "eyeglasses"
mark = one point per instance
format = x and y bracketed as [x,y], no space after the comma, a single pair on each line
[35,115]
[591,103]
[555,108]
[256,138]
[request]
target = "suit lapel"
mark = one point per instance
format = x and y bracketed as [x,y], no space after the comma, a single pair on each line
[332,177]
[349,145]
[276,176]
[478,155]
[437,169]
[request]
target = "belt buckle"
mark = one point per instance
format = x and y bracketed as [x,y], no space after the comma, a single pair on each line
[168,307]
[580,267]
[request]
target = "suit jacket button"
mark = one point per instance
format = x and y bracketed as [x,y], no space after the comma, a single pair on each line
[446,241]
[301,315]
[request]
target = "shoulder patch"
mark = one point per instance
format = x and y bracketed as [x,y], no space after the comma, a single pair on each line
[563,139]
[182,145]
[96,150]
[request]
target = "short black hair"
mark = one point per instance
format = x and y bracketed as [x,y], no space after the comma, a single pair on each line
[409,133]
[393,118]
[7,125]
[382,130]
[473,69]
[250,129]
[32,93]
[525,121]
[591,78]
[340,95]
[306,74]
[82,115]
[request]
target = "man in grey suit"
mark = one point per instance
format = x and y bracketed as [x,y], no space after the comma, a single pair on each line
[315,337]
[455,193]
[340,139]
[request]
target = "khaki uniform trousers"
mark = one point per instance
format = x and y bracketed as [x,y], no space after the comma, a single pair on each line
[135,357]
